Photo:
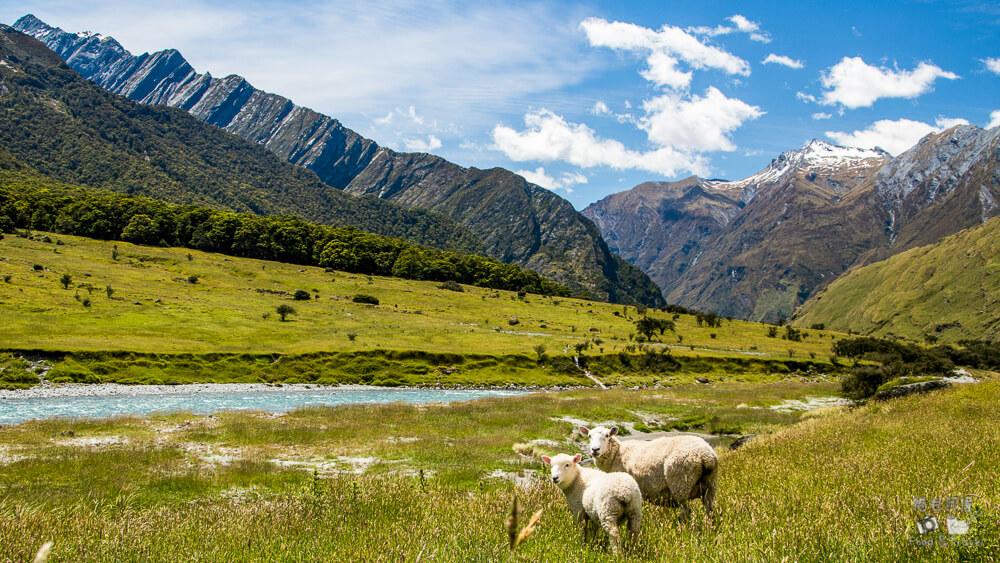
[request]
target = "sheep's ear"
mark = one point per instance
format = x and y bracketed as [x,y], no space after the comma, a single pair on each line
[577,458]
[547,459]
[614,431]
[584,431]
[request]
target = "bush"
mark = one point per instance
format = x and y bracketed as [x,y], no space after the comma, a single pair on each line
[862,382]
[65,280]
[452,285]
[192,279]
[38,267]
[365,298]
[301,295]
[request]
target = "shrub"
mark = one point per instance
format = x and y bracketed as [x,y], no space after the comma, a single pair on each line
[6,279]
[192,279]
[65,280]
[86,302]
[351,336]
[38,267]
[365,298]
[452,285]
[109,290]
[513,321]
[301,295]
[284,310]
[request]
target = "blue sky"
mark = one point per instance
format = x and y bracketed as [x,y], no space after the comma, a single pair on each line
[589,99]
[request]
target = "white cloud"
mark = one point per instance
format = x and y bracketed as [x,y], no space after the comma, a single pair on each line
[600,108]
[893,136]
[740,24]
[695,124]
[821,115]
[357,60]
[665,51]
[808,98]
[548,137]
[782,60]
[421,145]
[563,182]
[853,83]
[994,119]
[992,65]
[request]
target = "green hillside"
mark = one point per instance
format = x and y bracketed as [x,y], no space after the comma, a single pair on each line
[947,291]
[181,301]
[73,131]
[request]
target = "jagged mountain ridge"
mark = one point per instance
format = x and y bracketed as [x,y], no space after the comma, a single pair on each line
[517,221]
[73,131]
[811,215]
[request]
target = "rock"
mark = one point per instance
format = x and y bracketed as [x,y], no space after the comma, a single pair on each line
[741,441]
[904,390]
[702,380]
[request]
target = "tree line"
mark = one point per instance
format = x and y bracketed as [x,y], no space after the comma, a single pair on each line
[111,216]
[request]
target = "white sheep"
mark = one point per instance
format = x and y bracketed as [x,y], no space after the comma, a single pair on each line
[597,498]
[670,470]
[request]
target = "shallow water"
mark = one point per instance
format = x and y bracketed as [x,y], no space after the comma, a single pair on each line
[266,399]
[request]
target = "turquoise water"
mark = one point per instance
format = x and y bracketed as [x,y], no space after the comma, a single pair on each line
[17,410]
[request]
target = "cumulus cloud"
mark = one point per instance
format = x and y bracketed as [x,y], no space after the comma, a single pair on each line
[994,120]
[782,60]
[422,145]
[671,53]
[563,182]
[893,136]
[992,65]
[548,137]
[821,115]
[740,24]
[854,83]
[695,124]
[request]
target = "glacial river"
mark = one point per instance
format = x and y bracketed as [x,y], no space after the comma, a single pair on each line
[100,401]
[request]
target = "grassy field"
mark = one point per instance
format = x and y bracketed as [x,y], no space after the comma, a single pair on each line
[216,315]
[408,483]
[948,290]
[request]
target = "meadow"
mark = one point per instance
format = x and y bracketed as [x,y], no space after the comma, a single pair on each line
[436,482]
[144,314]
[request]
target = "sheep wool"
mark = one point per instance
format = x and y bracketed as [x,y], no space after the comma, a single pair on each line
[597,498]
[670,471]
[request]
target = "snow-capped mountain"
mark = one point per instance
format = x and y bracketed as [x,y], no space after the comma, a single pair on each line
[758,247]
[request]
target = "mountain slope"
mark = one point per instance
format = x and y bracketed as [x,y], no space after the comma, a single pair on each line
[808,217]
[750,248]
[69,129]
[518,222]
[949,290]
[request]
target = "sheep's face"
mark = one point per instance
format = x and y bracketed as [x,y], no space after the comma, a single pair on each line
[564,468]
[599,438]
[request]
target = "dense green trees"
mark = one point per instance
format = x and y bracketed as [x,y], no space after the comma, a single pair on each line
[110,216]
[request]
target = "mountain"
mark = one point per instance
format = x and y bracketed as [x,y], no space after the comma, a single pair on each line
[949,290]
[752,248]
[70,130]
[517,221]
[759,247]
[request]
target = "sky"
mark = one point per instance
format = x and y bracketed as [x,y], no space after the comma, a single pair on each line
[589,99]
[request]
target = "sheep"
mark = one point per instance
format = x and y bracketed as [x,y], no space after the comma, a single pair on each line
[670,470]
[597,498]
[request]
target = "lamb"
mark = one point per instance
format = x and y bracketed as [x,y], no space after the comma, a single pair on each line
[597,498]
[670,471]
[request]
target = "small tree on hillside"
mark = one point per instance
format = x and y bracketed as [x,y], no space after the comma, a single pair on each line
[65,280]
[284,310]
[540,350]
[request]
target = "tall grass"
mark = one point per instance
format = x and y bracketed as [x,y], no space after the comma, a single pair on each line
[835,485]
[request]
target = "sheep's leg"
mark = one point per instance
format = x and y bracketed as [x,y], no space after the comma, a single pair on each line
[610,526]
[709,499]
[684,511]
[634,525]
